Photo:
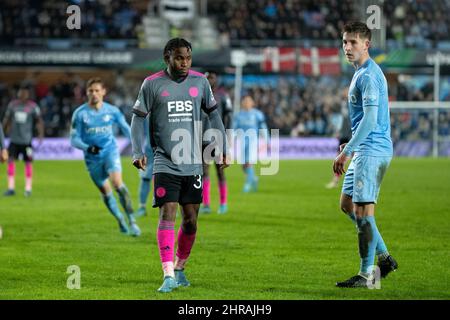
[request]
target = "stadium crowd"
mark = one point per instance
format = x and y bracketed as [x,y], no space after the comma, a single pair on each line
[420,24]
[310,108]
[47,19]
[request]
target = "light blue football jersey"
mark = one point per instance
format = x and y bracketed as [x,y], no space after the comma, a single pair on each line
[95,127]
[251,119]
[369,89]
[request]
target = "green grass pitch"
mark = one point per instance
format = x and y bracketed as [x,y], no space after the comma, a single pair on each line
[288,241]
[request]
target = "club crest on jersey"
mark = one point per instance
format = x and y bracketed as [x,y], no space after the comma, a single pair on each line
[85,119]
[106,117]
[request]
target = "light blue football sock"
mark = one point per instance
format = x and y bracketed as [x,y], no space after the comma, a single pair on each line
[381,249]
[250,174]
[111,204]
[144,189]
[367,239]
[125,201]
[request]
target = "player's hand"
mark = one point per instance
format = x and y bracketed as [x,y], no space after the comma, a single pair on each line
[339,163]
[93,149]
[342,146]
[140,163]
[4,155]
[226,161]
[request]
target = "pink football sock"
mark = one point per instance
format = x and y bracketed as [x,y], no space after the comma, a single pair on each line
[11,175]
[166,242]
[206,191]
[28,176]
[185,243]
[223,191]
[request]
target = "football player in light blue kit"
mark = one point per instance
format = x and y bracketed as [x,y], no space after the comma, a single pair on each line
[249,120]
[146,175]
[372,151]
[92,132]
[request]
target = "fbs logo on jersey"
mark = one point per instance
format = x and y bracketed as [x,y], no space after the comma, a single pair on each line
[179,107]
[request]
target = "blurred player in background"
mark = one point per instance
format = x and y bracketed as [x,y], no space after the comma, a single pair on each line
[249,119]
[92,132]
[3,158]
[225,109]
[173,99]
[21,116]
[372,148]
[3,150]
[343,133]
[145,184]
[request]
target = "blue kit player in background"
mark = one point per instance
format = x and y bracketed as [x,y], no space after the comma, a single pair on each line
[250,120]
[92,132]
[372,151]
[145,175]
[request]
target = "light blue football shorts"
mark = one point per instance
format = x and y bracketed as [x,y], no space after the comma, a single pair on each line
[363,178]
[101,167]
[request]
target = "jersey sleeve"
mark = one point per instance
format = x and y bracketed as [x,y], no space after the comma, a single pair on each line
[369,90]
[144,101]
[122,123]
[8,113]
[208,101]
[75,136]
[2,138]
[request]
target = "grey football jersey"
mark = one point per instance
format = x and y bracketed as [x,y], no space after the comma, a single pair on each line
[175,110]
[22,116]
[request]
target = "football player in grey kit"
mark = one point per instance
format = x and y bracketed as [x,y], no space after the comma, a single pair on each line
[174,98]
[225,109]
[20,117]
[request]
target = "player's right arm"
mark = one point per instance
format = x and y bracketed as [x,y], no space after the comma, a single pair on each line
[3,151]
[140,111]
[75,134]
[7,118]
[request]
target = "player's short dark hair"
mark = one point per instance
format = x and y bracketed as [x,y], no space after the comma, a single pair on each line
[209,71]
[175,43]
[95,80]
[24,86]
[359,28]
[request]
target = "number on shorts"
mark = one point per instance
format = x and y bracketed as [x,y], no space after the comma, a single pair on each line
[199,180]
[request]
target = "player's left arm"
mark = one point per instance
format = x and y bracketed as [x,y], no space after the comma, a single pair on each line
[39,123]
[227,116]
[370,98]
[209,105]
[123,125]
[262,125]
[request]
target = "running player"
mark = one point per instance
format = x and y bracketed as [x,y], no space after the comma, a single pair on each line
[251,121]
[225,109]
[21,116]
[174,98]
[92,132]
[372,151]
